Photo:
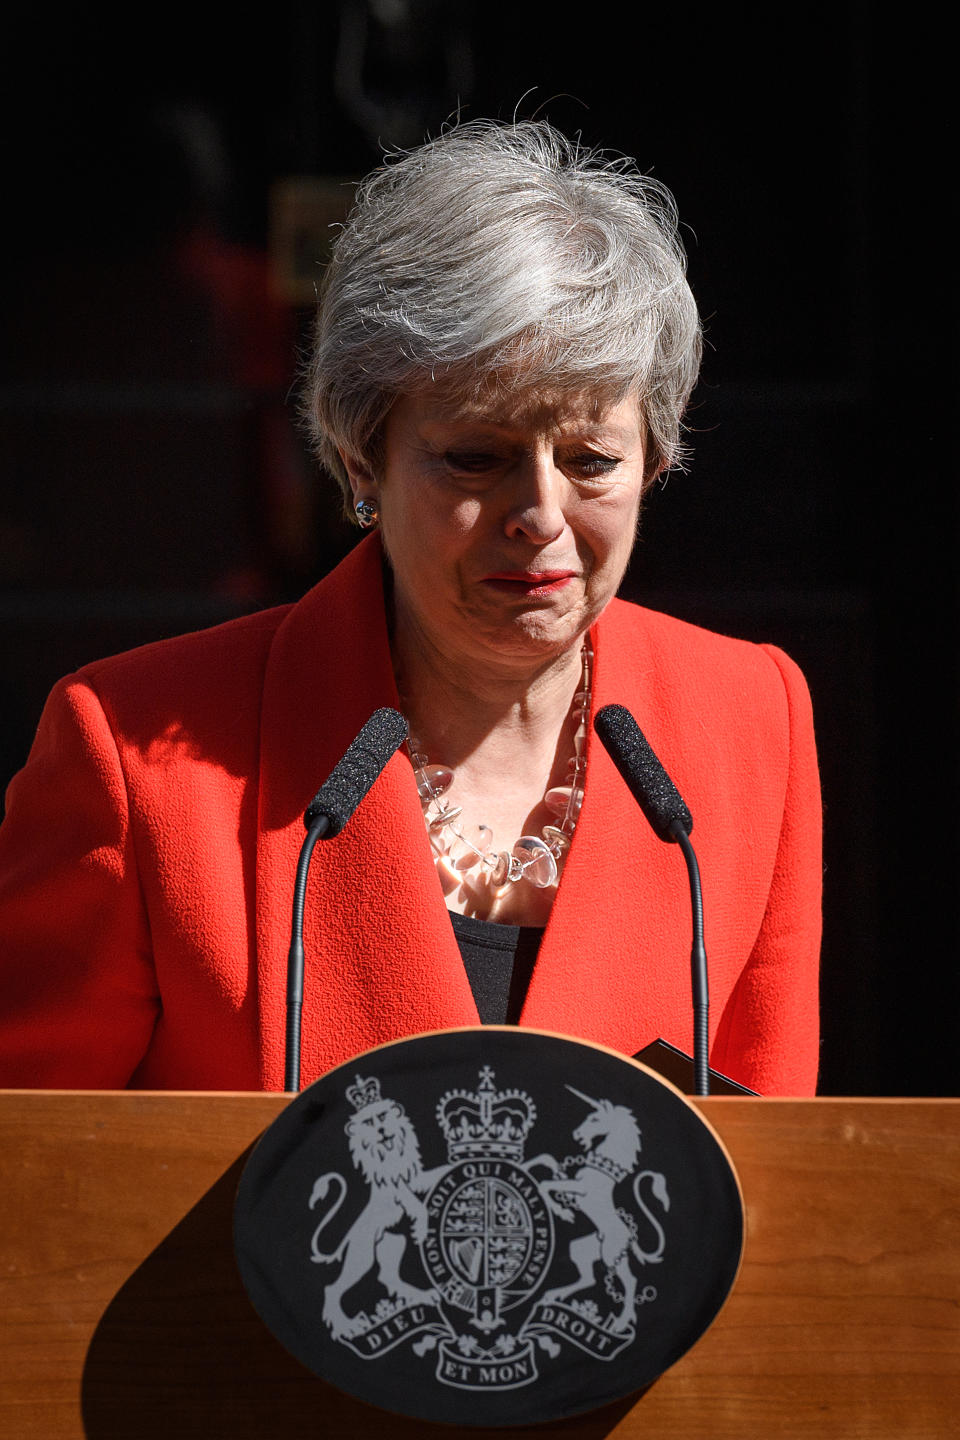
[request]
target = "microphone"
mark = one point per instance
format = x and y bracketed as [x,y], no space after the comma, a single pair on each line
[348,783]
[329,810]
[648,782]
[670,820]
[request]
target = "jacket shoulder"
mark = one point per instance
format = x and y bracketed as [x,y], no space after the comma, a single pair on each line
[219,646]
[187,686]
[231,654]
[699,670]
[640,629]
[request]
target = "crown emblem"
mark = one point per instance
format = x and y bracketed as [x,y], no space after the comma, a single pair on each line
[485,1122]
[364,1092]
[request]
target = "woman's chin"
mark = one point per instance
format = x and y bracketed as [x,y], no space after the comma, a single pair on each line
[489,637]
[534,634]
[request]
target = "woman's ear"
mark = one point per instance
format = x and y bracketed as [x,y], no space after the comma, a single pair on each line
[363,486]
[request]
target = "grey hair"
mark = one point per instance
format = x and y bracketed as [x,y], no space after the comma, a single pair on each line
[505,255]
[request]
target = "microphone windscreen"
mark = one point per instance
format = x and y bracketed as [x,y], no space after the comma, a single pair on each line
[348,783]
[651,786]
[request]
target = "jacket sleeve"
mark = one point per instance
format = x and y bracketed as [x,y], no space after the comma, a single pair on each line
[768,1037]
[78,995]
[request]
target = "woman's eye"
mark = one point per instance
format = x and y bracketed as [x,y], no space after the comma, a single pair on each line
[593,466]
[586,465]
[470,462]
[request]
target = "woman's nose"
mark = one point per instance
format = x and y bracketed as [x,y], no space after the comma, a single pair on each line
[537,512]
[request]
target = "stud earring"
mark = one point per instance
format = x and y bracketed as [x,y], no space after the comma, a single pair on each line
[367,514]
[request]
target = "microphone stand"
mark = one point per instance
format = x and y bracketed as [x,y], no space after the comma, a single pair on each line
[328,812]
[698,966]
[291,1082]
[670,820]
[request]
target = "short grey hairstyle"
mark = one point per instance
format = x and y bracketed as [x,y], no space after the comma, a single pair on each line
[505,255]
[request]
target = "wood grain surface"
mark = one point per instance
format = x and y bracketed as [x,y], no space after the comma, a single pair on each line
[122,1314]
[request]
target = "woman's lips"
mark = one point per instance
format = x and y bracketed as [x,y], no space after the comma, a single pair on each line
[529,582]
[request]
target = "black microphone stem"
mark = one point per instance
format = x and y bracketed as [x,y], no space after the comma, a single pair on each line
[698,967]
[330,809]
[670,820]
[291,1083]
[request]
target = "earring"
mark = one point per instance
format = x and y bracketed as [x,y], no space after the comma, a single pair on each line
[367,514]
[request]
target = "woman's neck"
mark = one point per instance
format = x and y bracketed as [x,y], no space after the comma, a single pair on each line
[466,705]
[507,731]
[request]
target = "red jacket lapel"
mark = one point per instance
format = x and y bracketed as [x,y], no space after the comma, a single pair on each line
[613,933]
[381,957]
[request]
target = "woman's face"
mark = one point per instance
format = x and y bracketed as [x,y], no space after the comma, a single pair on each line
[508,524]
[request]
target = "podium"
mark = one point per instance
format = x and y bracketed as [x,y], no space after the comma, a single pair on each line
[122,1313]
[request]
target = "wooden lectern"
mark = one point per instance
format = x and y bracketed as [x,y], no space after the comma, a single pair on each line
[122,1313]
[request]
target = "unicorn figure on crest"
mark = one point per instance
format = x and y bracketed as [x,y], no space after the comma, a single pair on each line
[609,1140]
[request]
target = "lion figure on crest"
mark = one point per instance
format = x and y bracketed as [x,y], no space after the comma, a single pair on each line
[384,1148]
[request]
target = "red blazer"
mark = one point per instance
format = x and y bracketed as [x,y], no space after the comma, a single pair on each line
[148,855]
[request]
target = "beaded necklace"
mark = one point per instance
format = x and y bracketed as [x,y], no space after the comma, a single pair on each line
[534,858]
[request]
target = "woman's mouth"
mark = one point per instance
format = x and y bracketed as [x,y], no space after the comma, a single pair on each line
[529,582]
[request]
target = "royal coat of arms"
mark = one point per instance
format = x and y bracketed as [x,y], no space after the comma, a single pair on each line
[490,1228]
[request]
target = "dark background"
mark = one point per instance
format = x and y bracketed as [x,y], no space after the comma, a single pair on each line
[154,479]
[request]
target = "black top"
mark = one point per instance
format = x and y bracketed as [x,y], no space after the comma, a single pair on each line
[499,961]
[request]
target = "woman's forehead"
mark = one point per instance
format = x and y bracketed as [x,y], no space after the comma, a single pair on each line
[521,409]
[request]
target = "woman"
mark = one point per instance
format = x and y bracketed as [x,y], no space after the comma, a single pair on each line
[506,343]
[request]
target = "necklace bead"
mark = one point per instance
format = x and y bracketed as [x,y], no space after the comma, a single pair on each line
[537,859]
